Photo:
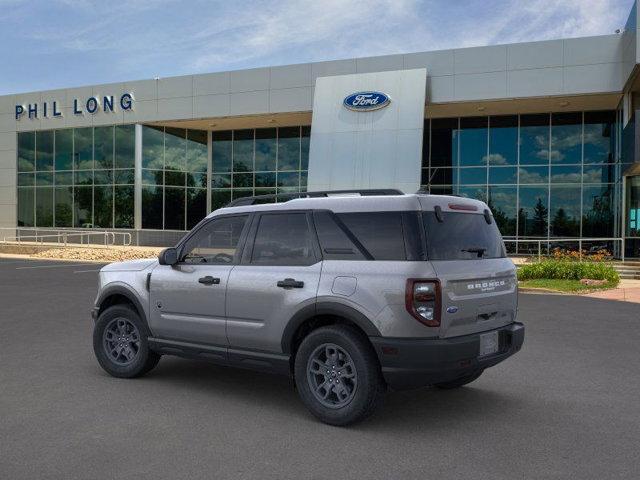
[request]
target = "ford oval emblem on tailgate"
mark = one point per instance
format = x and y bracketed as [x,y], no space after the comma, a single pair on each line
[452,309]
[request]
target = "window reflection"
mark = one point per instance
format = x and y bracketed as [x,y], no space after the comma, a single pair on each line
[533,211]
[533,175]
[266,149]
[598,137]
[534,139]
[473,141]
[472,176]
[44,150]
[502,201]
[264,161]
[243,150]
[564,211]
[26,206]
[503,175]
[74,180]
[597,211]
[566,138]
[63,159]
[571,174]
[503,140]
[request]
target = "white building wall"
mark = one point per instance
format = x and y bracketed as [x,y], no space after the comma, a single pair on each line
[368,149]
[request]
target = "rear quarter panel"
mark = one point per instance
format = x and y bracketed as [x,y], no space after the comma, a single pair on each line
[379,292]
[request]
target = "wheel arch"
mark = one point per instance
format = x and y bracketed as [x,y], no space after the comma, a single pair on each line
[118,295]
[320,314]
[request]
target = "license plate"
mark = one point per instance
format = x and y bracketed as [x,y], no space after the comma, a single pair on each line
[488,343]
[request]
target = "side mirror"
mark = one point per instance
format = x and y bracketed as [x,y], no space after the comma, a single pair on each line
[168,256]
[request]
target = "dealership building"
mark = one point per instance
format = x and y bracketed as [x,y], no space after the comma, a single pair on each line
[544,132]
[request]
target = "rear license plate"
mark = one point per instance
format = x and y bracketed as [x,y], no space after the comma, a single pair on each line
[488,343]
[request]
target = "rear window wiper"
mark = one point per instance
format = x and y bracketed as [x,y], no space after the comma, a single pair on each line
[479,250]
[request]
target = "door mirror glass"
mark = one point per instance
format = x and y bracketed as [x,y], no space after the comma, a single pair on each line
[168,256]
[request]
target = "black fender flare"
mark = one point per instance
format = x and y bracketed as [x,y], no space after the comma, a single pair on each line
[117,289]
[326,308]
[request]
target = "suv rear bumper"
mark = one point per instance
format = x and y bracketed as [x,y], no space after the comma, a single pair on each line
[411,363]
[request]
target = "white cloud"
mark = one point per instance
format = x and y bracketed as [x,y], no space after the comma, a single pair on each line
[494,159]
[144,38]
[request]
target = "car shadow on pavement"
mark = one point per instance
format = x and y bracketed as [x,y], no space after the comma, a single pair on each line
[401,411]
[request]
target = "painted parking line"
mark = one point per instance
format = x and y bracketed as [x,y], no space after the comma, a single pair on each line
[58,265]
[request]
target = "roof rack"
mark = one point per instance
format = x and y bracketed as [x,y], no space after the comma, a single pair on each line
[286,196]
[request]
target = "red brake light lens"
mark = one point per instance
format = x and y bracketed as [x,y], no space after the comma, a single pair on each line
[422,298]
[462,206]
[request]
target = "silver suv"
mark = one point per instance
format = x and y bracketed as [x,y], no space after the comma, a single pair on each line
[348,293]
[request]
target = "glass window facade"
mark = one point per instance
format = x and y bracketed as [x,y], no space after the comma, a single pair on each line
[258,162]
[85,177]
[174,177]
[80,177]
[544,175]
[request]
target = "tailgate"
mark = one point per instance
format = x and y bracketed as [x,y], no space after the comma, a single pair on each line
[477,295]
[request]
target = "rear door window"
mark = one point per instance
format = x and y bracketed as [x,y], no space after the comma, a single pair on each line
[380,233]
[336,241]
[283,239]
[462,236]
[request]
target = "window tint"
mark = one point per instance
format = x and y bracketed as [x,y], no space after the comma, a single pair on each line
[379,232]
[283,239]
[334,242]
[462,236]
[216,242]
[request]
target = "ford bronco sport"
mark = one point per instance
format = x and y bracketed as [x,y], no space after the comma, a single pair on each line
[348,293]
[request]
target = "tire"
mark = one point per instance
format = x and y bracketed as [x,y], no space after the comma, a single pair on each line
[131,358]
[354,390]
[459,382]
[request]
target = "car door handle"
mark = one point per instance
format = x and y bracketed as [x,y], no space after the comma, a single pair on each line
[209,280]
[290,283]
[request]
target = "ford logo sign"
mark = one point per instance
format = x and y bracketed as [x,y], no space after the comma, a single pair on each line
[452,309]
[366,101]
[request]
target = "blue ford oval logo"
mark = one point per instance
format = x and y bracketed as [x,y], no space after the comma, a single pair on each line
[366,101]
[452,309]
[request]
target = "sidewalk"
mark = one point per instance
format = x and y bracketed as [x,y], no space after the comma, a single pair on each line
[628,291]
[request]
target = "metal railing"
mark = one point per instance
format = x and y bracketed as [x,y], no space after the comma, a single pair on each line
[81,238]
[545,246]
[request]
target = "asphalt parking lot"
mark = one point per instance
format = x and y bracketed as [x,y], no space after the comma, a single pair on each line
[567,406]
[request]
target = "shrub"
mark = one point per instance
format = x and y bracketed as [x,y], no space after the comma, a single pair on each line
[569,270]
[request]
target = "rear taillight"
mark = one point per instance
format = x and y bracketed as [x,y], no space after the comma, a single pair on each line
[422,298]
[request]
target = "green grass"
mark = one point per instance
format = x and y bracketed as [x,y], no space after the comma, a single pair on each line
[563,285]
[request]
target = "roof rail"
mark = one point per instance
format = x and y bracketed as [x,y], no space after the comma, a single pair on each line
[285,197]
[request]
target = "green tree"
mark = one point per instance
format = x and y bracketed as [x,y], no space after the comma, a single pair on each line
[540,219]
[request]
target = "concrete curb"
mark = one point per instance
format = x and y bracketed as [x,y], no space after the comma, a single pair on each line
[37,259]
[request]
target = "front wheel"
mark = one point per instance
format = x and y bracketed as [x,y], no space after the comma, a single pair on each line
[120,343]
[338,376]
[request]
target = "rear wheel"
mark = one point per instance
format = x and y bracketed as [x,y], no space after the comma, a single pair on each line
[460,381]
[120,343]
[338,375]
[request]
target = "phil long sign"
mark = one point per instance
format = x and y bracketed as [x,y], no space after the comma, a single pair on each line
[52,109]
[366,101]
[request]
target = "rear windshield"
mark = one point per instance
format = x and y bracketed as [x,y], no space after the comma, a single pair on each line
[462,236]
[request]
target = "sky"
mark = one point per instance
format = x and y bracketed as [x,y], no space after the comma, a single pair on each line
[48,44]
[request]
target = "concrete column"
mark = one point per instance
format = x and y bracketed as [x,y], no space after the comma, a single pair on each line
[137,211]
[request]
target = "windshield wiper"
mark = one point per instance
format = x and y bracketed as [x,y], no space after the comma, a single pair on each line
[479,250]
